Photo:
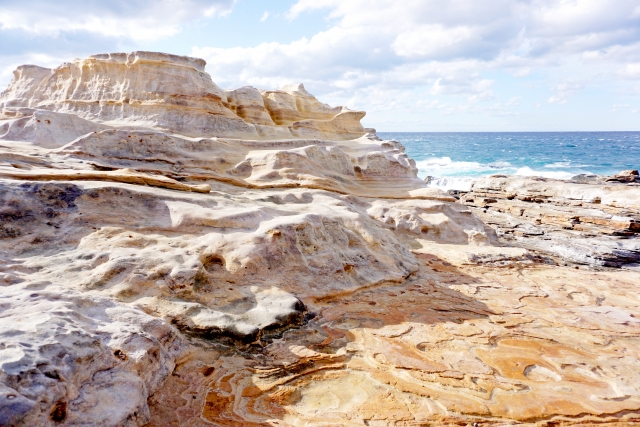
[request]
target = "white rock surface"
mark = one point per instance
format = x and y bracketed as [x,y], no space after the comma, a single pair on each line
[582,222]
[142,207]
[156,90]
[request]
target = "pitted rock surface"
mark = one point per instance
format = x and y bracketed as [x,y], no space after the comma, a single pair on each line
[175,254]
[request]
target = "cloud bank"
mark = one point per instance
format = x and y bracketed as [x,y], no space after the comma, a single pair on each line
[46,32]
[410,64]
[136,19]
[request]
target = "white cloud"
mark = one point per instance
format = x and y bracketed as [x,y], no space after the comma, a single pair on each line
[631,71]
[136,19]
[557,100]
[463,56]
[305,5]
[475,88]
[522,72]
[376,42]
[431,40]
[513,101]
[563,91]
[619,107]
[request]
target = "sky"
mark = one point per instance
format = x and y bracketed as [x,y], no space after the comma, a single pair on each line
[412,65]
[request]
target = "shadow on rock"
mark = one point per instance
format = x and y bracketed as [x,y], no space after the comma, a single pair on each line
[342,359]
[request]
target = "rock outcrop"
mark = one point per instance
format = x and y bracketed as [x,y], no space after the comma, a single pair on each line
[451,346]
[172,253]
[154,90]
[594,222]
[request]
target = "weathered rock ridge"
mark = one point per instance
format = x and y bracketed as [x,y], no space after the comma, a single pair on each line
[173,254]
[167,92]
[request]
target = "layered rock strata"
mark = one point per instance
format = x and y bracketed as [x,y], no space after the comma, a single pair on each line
[453,345]
[173,254]
[592,220]
[168,92]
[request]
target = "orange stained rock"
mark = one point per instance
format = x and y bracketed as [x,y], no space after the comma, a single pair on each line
[447,364]
[303,274]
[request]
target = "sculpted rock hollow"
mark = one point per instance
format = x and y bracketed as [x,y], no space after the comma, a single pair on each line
[172,253]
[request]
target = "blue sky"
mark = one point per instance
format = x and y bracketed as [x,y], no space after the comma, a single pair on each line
[415,65]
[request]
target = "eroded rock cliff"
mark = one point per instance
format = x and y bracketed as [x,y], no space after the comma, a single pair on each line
[154,90]
[175,254]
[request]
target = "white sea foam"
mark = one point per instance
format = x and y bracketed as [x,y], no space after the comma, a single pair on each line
[447,174]
[558,165]
[451,183]
[438,166]
[527,171]
[564,165]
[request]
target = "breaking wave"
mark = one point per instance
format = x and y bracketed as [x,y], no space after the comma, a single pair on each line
[455,159]
[446,174]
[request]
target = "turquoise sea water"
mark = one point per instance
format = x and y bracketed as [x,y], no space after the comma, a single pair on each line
[454,159]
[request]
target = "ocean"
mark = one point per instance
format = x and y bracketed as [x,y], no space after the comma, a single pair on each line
[455,159]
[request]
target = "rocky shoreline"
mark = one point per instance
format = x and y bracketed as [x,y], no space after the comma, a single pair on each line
[590,220]
[176,254]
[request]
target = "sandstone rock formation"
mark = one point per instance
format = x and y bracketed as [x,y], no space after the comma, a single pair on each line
[153,90]
[453,345]
[592,222]
[625,176]
[175,254]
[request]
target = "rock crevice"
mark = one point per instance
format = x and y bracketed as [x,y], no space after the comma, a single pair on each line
[172,253]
